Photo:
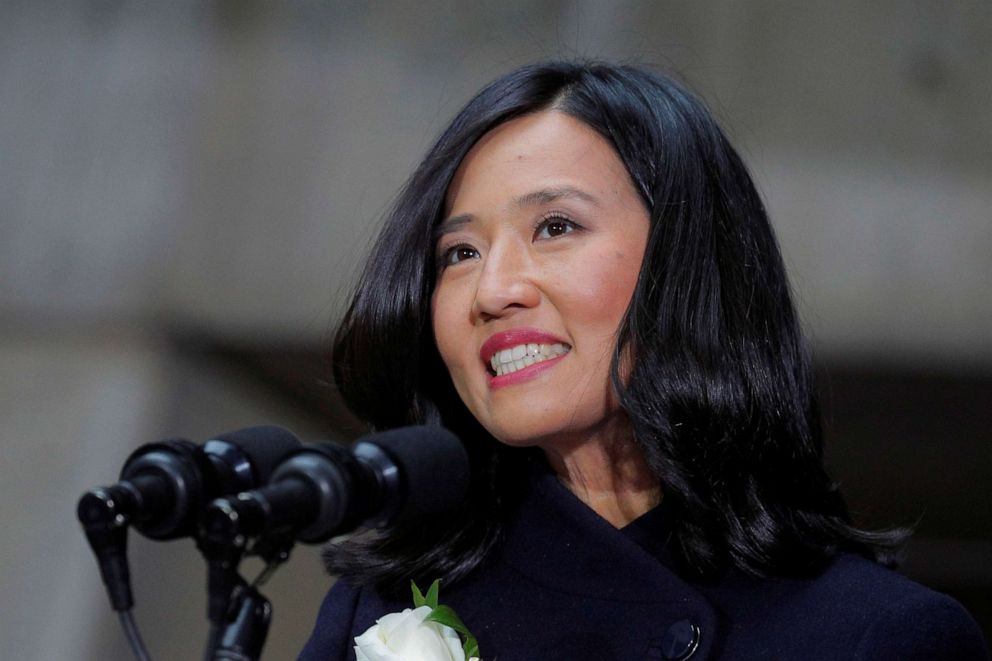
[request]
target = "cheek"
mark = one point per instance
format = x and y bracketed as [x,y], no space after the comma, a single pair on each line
[602,288]
[451,336]
[444,317]
[439,326]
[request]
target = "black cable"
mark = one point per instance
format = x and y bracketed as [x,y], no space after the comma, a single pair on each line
[133,637]
[213,641]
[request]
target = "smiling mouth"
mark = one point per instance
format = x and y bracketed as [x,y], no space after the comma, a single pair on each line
[516,358]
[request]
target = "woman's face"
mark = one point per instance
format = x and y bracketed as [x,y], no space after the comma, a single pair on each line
[538,256]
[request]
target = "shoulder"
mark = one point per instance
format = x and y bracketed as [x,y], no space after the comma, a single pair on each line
[923,625]
[854,609]
[347,611]
[331,637]
[901,619]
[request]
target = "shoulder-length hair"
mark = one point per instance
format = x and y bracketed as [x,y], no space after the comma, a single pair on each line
[719,392]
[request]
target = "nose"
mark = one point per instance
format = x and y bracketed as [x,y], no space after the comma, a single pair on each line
[506,283]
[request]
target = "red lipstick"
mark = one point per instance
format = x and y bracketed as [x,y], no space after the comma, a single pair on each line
[514,337]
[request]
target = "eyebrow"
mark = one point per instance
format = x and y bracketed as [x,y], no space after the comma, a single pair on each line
[546,195]
[538,197]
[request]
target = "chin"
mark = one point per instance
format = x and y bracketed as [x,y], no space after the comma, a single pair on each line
[542,436]
[514,438]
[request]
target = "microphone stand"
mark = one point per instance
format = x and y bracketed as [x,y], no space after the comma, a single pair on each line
[244,636]
[239,614]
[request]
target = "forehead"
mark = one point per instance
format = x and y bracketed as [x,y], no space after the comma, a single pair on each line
[545,151]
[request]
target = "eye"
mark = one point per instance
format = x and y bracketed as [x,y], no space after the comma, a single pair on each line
[456,254]
[554,226]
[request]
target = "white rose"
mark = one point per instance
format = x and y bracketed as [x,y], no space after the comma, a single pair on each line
[407,637]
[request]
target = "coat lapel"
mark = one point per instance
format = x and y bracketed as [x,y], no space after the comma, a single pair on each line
[580,588]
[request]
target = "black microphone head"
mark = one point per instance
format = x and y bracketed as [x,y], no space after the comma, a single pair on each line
[434,467]
[263,447]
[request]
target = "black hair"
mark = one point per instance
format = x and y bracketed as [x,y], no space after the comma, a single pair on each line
[719,390]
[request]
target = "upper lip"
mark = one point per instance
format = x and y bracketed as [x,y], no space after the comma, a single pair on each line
[514,337]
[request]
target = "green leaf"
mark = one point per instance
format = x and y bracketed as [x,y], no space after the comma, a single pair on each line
[418,596]
[471,647]
[446,615]
[432,593]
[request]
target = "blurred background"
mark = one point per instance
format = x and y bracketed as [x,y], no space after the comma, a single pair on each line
[187,189]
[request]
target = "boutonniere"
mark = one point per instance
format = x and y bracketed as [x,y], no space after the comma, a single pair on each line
[427,632]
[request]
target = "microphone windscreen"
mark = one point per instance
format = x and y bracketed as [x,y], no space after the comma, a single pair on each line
[264,446]
[434,466]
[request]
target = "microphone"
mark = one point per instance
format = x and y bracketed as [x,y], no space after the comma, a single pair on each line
[324,489]
[163,488]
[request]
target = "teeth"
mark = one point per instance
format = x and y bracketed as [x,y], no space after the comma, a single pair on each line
[523,355]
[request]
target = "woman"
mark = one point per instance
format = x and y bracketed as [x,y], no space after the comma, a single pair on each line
[580,280]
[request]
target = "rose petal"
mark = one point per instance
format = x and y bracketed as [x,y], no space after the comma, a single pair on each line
[405,636]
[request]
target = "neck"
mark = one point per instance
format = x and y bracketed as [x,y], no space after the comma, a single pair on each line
[609,474]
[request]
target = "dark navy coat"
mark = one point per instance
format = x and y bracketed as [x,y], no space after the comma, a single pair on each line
[568,585]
